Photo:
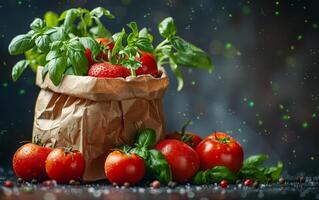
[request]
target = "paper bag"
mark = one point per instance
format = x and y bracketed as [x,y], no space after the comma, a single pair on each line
[96,115]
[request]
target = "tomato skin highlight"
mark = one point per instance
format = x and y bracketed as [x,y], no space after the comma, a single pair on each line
[63,166]
[183,159]
[194,138]
[29,162]
[219,149]
[149,65]
[123,168]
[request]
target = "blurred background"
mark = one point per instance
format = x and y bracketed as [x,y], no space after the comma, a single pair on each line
[264,89]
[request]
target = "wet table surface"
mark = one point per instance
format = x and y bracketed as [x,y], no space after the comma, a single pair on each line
[291,189]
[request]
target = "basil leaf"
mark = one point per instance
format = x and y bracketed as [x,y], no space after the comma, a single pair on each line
[53,54]
[252,172]
[79,63]
[57,34]
[99,12]
[35,58]
[255,160]
[44,72]
[189,55]
[70,17]
[144,44]
[145,34]
[56,68]
[178,74]
[146,138]
[100,31]
[18,69]
[92,44]
[167,28]
[118,38]
[43,43]
[37,24]
[20,44]
[214,175]
[133,27]
[274,173]
[51,19]
[157,167]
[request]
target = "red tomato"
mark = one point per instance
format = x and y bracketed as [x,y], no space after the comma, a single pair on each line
[183,159]
[248,182]
[106,45]
[189,138]
[219,149]
[121,167]
[149,65]
[62,165]
[29,162]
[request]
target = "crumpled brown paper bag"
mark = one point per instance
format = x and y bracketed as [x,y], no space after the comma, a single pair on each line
[94,115]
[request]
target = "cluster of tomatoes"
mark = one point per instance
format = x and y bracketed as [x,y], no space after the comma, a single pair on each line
[106,69]
[185,153]
[36,162]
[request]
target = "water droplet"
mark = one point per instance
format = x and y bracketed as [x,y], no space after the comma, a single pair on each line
[299,37]
[21,92]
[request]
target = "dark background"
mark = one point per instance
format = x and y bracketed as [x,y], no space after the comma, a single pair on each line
[264,90]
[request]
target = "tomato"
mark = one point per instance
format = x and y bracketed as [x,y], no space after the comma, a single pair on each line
[63,165]
[219,149]
[149,65]
[223,184]
[121,167]
[106,45]
[29,162]
[183,159]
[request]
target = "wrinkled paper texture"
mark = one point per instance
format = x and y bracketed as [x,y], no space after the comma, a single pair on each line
[96,115]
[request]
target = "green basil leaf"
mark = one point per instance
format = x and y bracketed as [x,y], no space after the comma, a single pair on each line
[157,167]
[79,62]
[35,58]
[44,72]
[91,44]
[53,54]
[167,27]
[76,45]
[37,24]
[214,175]
[189,55]
[255,160]
[178,74]
[133,27]
[57,67]
[18,69]
[100,31]
[145,34]
[252,172]
[118,38]
[146,138]
[43,43]
[99,12]
[57,34]
[70,17]
[274,173]
[20,44]
[144,44]
[51,19]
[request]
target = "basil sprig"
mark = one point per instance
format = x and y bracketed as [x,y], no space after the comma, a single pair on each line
[252,168]
[176,52]
[156,165]
[58,43]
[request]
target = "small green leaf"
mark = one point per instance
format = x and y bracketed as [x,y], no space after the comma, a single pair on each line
[255,160]
[18,69]
[157,167]
[274,173]
[252,172]
[118,38]
[144,44]
[167,27]
[43,43]
[70,17]
[20,44]
[79,63]
[56,68]
[51,19]
[56,34]
[144,33]
[133,27]
[189,55]
[44,72]
[99,12]
[37,24]
[53,54]
[214,175]
[146,137]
